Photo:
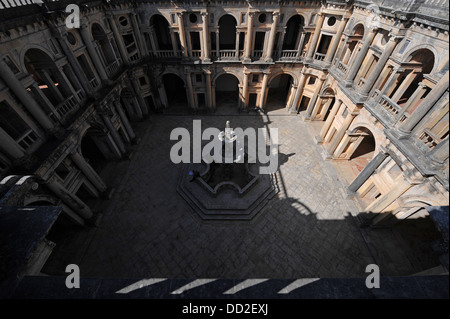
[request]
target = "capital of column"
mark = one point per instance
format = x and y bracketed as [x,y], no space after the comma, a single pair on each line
[203,14]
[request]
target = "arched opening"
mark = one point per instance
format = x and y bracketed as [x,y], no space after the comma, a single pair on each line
[280,91]
[294,28]
[365,146]
[161,30]
[326,103]
[227,91]
[94,148]
[227,32]
[348,53]
[175,91]
[48,78]
[106,51]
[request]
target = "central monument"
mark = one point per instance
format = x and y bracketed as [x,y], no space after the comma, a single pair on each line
[227,189]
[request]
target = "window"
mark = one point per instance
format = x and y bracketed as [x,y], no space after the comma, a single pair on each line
[311,80]
[262,18]
[255,78]
[193,18]
[331,21]
[62,171]
[71,38]
[243,18]
[142,81]
[198,78]
[174,20]
[123,21]
[282,18]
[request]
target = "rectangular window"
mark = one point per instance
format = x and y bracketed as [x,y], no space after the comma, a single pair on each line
[255,78]
[243,18]
[195,41]
[142,81]
[198,78]
[174,19]
[311,80]
[62,171]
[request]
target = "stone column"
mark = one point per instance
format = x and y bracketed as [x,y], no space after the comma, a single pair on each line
[151,36]
[84,81]
[27,100]
[367,172]
[63,80]
[69,199]
[118,38]
[326,126]
[117,139]
[300,45]
[137,32]
[355,65]
[298,92]
[248,38]
[379,66]
[245,89]
[190,90]
[182,34]
[88,171]
[237,44]
[440,152]
[280,48]
[217,43]
[427,103]
[312,45]
[125,121]
[205,52]
[340,133]
[9,146]
[273,32]
[336,40]
[174,41]
[312,104]
[92,52]
[415,97]
[263,90]
[208,89]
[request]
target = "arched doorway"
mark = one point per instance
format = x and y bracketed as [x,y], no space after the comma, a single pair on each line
[280,91]
[105,47]
[49,80]
[227,32]
[325,104]
[95,149]
[175,91]
[294,29]
[160,27]
[227,91]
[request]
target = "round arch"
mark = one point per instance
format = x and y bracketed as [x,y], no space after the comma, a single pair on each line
[280,91]
[224,13]
[215,77]
[423,53]
[293,14]
[363,143]
[175,90]
[226,89]
[29,47]
[161,27]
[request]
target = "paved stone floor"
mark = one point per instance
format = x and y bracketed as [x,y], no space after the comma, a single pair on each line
[148,230]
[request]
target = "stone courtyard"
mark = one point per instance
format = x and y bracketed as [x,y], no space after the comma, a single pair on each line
[307,230]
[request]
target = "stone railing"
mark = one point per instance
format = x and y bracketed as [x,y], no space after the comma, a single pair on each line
[390,106]
[227,54]
[257,53]
[428,138]
[112,68]
[67,106]
[319,56]
[94,83]
[27,139]
[196,53]
[288,55]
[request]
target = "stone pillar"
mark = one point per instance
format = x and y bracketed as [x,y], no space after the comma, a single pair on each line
[237,44]
[379,66]
[355,65]
[263,90]
[245,89]
[312,45]
[298,92]
[9,146]
[340,134]
[326,126]
[69,199]
[63,80]
[125,121]
[367,172]
[174,41]
[153,43]
[92,52]
[190,92]
[415,97]
[27,100]
[206,56]
[336,40]
[280,48]
[119,39]
[182,34]
[273,32]
[116,137]
[312,104]
[84,81]
[217,43]
[88,171]
[208,89]
[427,103]
[300,45]
[139,37]
[248,38]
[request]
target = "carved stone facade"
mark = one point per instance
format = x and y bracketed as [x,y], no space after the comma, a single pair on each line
[374,77]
